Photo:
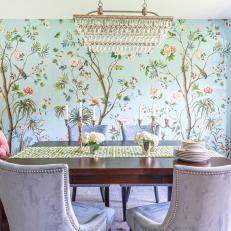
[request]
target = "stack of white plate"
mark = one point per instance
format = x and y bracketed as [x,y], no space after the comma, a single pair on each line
[192,151]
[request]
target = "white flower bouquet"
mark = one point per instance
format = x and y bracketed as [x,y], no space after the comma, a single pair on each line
[146,140]
[93,140]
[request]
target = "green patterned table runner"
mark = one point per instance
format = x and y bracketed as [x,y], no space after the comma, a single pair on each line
[103,152]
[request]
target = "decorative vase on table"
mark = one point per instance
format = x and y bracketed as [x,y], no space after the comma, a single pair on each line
[146,140]
[146,148]
[93,140]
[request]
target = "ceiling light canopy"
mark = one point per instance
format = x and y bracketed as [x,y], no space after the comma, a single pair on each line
[122,33]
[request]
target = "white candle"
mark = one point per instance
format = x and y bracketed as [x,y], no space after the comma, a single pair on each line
[93,113]
[153,109]
[140,112]
[67,113]
[80,109]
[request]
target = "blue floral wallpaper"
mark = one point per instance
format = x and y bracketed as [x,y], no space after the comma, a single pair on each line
[44,66]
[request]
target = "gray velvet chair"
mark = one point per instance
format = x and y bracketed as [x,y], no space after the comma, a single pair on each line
[201,201]
[73,135]
[129,131]
[128,134]
[73,131]
[37,198]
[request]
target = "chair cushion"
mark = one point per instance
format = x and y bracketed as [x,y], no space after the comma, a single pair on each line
[86,213]
[156,213]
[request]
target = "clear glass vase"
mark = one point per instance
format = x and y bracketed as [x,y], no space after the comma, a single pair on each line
[92,150]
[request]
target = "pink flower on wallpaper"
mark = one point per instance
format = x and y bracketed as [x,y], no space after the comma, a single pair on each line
[166,50]
[131,57]
[74,62]
[18,55]
[65,137]
[208,90]
[153,91]
[200,55]
[176,95]
[173,49]
[95,102]
[141,65]
[28,91]
[80,64]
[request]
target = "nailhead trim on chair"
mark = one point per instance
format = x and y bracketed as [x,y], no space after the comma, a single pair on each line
[176,205]
[65,186]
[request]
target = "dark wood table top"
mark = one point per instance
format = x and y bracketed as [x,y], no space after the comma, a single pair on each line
[117,170]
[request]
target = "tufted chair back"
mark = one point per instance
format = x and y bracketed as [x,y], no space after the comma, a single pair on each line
[201,199]
[129,131]
[37,198]
[73,132]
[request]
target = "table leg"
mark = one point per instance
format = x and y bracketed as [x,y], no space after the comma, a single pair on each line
[3,220]
[169,193]
[124,201]
[107,198]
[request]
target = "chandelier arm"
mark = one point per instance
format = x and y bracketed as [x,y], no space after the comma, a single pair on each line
[122,11]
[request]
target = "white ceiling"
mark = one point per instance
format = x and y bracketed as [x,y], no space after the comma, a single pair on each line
[198,9]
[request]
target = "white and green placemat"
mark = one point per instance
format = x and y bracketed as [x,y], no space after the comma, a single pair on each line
[103,152]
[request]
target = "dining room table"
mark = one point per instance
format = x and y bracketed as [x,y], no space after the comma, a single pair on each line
[116,162]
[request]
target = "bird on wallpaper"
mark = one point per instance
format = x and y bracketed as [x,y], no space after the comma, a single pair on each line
[21,72]
[202,71]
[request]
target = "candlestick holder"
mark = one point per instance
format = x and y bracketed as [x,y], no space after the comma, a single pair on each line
[66,122]
[153,124]
[80,126]
[139,122]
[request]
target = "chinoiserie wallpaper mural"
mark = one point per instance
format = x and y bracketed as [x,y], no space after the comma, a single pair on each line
[44,66]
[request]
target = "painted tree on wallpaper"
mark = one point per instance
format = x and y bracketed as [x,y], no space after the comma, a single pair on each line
[19,106]
[84,66]
[193,71]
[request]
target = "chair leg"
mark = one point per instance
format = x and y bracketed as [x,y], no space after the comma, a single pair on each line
[169,193]
[156,194]
[128,193]
[74,193]
[124,201]
[107,197]
[102,192]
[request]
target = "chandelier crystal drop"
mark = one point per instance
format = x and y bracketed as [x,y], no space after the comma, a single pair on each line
[120,33]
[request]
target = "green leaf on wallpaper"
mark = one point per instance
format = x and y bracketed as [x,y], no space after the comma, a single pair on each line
[147,70]
[20,94]
[36,47]
[70,53]
[55,61]
[119,67]
[57,35]
[55,49]
[195,87]
[59,110]
[24,107]
[15,87]
[21,40]
[126,98]
[199,94]
[170,57]
[171,34]
[61,83]
[44,51]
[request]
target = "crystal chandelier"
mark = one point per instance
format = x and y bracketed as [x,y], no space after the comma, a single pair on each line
[122,33]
